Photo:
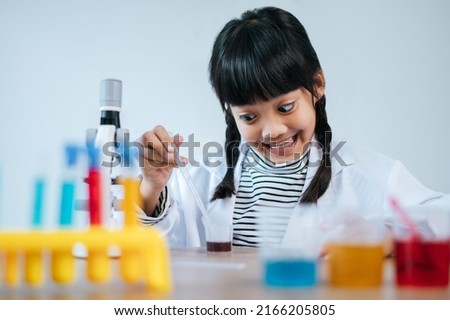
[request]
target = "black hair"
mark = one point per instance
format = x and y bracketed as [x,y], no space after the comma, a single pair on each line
[262,55]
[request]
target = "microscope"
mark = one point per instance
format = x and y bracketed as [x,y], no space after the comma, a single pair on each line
[107,138]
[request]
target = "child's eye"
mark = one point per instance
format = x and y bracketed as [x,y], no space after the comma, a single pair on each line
[247,117]
[286,107]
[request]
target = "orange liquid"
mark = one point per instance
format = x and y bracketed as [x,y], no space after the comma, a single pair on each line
[355,265]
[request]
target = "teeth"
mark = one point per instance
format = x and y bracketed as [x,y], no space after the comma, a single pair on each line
[283,144]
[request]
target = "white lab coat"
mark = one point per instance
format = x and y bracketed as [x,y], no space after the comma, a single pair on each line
[360,178]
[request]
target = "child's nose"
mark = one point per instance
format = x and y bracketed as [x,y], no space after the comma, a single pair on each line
[273,129]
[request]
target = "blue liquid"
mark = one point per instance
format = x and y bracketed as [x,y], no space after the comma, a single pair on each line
[67,202]
[290,273]
[38,205]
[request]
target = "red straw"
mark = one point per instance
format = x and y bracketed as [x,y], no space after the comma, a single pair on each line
[405,218]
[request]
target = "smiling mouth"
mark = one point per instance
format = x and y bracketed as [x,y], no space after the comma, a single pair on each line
[281,148]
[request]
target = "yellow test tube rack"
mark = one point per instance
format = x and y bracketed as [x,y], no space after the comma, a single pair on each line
[144,255]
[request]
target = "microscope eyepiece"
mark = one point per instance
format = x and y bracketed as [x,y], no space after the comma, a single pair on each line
[110,102]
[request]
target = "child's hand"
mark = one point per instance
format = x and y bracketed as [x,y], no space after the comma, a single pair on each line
[157,160]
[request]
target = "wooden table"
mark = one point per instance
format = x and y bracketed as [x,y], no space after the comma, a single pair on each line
[201,275]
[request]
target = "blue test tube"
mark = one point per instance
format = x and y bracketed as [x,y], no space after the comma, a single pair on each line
[68,187]
[33,267]
[38,202]
[62,262]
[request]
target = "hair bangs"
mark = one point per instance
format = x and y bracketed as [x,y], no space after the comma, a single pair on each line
[258,65]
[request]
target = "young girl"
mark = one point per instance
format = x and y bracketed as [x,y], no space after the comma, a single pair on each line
[279,150]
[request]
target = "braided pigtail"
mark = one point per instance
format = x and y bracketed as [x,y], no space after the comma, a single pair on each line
[226,188]
[322,178]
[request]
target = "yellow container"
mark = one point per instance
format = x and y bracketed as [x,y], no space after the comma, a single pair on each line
[131,266]
[145,255]
[33,267]
[11,269]
[98,266]
[63,266]
[355,265]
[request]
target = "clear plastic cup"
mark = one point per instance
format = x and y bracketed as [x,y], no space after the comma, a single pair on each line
[356,250]
[423,260]
[288,267]
[292,260]
[218,237]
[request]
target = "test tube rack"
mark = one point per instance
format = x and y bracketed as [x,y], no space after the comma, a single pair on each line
[143,256]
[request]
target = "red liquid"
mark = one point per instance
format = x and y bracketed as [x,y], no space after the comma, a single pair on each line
[218,246]
[94,197]
[422,263]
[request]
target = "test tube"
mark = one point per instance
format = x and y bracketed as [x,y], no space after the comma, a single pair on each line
[38,202]
[11,269]
[95,187]
[62,261]
[97,264]
[130,264]
[33,265]
[98,269]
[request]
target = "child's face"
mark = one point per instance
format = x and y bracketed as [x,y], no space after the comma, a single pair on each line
[281,128]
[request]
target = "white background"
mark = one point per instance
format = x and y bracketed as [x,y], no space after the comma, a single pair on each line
[387,65]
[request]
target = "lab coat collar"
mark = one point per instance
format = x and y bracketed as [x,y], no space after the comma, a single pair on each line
[340,153]
[341,156]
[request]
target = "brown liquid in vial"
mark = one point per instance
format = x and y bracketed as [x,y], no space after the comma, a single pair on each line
[218,246]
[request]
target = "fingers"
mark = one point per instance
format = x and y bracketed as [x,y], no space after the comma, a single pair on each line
[184,160]
[160,148]
[178,140]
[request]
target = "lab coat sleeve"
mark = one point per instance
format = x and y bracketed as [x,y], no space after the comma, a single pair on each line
[159,213]
[410,191]
[168,220]
[180,220]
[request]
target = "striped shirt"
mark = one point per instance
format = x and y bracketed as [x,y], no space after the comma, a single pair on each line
[266,197]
